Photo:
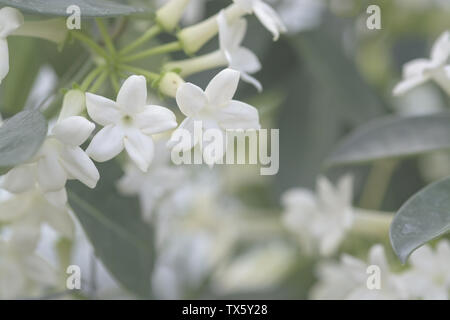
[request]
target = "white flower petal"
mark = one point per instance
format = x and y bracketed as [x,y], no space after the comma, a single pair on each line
[106,144]
[132,95]
[231,35]
[155,119]
[73,131]
[245,60]
[102,110]
[10,20]
[39,270]
[415,67]
[19,179]
[190,99]
[57,198]
[73,104]
[50,174]
[378,257]
[187,126]
[408,84]
[238,115]
[252,80]
[79,166]
[441,49]
[222,88]
[140,148]
[60,220]
[4,59]
[269,18]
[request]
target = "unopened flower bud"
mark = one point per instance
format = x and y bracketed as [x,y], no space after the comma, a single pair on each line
[170,14]
[169,84]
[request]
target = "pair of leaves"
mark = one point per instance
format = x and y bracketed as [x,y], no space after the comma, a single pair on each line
[21,136]
[112,222]
[426,215]
[88,8]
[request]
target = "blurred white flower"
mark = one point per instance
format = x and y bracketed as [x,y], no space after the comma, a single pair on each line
[258,269]
[238,57]
[428,277]
[156,184]
[60,158]
[348,279]
[301,15]
[214,108]
[22,271]
[266,15]
[128,123]
[10,20]
[320,221]
[33,208]
[418,71]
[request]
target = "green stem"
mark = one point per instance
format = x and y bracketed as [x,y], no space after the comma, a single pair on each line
[148,74]
[105,36]
[166,48]
[148,35]
[115,82]
[91,44]
[377,183]
[99,82]
[371,223]
[90,77]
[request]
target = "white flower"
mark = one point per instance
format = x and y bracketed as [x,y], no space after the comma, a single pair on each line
[266,15]
[33,208]
[348,279]
[239,58]
[21,268]
[258,269]
[128,123]
[320,221]
[214,108]
[10,20]
[155,185]
[418,71]
[60,158]
[428,277]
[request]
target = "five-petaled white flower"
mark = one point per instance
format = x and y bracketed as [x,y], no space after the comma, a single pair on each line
[128,123]
[10,20]
[349,279]
[320,221]
[428,277]
[60,158]
[213,109]
[266,15]
[239,58]
[418,71]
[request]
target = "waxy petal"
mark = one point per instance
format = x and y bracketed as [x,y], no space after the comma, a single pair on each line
[155,119]
[269,19]
[51,176]
[10,20]
[238,115]
[140,148]
[102,110]
[222,88]
[79,166]
[106,144]
[132,95]
[73,131]
[191,99]
[19,179]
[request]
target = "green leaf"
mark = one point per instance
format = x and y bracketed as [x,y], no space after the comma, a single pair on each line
[393,137]
[121,239]
[89,8]
[21,137]
[424,217]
